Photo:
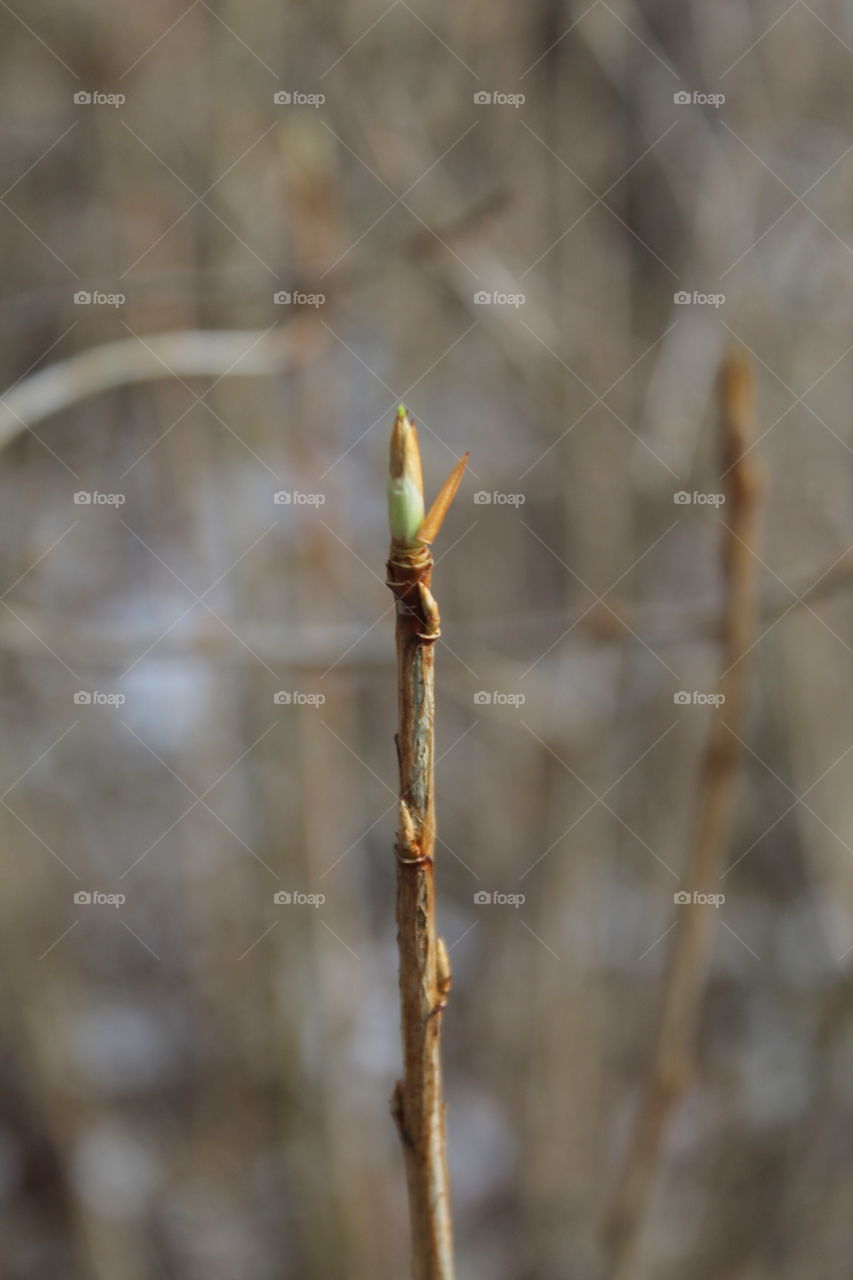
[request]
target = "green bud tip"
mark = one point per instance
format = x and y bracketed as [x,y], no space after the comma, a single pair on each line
[405,481]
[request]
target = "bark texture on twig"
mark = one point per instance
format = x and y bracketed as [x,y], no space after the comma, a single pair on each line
[418,1104]
[687,966]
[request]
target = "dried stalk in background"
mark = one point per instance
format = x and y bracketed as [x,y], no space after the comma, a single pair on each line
[417,1103]
[688,962]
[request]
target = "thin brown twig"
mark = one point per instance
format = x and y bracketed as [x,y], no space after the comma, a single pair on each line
[418,1104]
[687,966]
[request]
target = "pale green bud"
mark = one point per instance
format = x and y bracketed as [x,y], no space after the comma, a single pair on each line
[405,481]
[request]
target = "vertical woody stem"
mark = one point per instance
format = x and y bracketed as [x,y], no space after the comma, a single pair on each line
[418,1104]
[689,958]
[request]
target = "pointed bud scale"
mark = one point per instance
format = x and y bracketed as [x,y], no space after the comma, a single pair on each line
[405,481]
[430,527]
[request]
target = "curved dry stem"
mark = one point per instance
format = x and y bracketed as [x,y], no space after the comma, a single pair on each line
[185,353]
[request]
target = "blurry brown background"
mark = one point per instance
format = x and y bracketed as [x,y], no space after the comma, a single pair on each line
[195,1082]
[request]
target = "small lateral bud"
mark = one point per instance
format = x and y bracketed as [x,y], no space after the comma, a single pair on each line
[406,834]
[405,481]
[443,977]
[429,609]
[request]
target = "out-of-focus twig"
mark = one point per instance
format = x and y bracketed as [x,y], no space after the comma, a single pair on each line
[688,961]
[192,353]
